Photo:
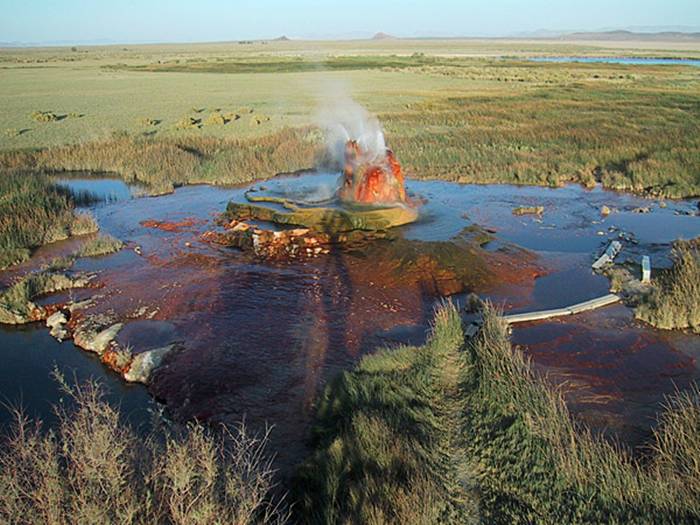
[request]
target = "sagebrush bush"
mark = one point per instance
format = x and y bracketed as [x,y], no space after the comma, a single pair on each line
[44,116]
[94,468]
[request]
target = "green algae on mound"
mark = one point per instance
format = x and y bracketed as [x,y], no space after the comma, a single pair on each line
[323,219]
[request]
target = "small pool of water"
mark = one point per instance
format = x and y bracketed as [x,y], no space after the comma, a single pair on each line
[637,61]
[100,189]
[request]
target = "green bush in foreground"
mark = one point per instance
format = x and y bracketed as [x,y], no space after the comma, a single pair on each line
[388,436]
[448,433]
[675,301]
[95,469]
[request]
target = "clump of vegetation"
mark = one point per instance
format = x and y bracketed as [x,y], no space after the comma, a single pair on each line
[161,164]
[480,434]
[148,122]
[95,469]
[16,301]
[100,245]
[75,114]
[674,302]
[83,223]
[12,256]
[528,210]
[388,438]
[44,116]
[12,132]
[34,212]
[256,120]
[231,115]
[215,119]
[188,123]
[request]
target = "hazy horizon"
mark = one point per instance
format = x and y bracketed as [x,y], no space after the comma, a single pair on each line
[178,21]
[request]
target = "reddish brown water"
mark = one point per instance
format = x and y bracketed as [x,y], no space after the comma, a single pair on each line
[262,338]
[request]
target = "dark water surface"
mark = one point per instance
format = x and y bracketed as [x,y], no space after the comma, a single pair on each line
[262,338]
[30,356]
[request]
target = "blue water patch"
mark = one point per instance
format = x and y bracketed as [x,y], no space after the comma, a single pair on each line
[100,189]
[634,61]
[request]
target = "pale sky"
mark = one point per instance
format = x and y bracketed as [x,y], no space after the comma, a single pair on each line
[131,21]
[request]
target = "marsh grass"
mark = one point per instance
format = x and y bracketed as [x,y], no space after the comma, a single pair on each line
[386,439]
[100,245]
[162,164]
[94,468]
[476,425]
[643,141]
[34,212]
[16,301]
[674,302]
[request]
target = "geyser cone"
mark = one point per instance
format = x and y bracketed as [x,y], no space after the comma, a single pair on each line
[367,180]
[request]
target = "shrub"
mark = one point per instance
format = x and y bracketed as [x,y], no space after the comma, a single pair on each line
[674,301]
[188,123]
[44,116]
[449,432]
[96,469]
[215,119]
[148,122]
[100,245]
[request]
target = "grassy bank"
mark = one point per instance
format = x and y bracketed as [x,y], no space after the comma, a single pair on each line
[96,469]
[449,432]
[674,301]
[33,212]
[162,164]
[643,139]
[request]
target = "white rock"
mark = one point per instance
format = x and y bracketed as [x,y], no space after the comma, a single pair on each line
[56,319]
[144,363]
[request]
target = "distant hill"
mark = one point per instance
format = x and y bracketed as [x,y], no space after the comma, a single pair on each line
[283,38]
[664,36]
[383,36]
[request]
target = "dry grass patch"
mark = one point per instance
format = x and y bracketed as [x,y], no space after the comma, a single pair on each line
[93,468]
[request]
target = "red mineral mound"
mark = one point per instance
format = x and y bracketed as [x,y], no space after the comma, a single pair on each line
[366,180]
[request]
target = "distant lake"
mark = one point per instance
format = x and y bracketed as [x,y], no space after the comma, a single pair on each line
[622,60]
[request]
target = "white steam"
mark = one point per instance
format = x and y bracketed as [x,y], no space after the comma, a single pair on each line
[343,119]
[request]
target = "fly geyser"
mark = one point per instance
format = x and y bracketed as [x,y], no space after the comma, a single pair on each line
[369,180]
[369,196]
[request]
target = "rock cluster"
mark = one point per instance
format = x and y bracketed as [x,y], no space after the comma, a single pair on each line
[272,244]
